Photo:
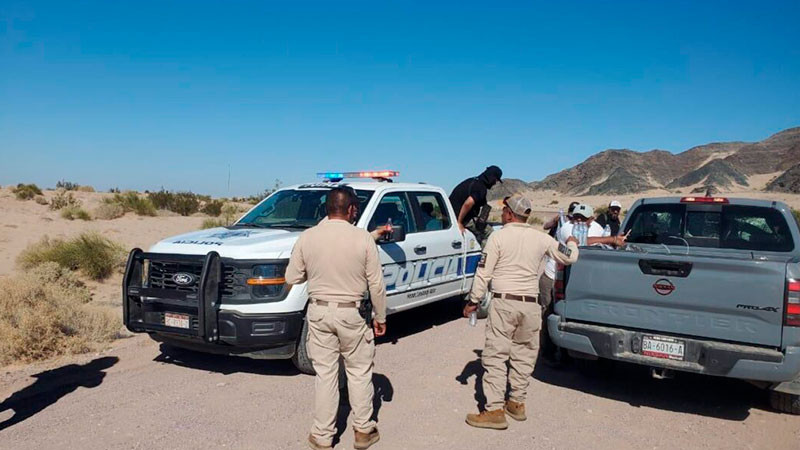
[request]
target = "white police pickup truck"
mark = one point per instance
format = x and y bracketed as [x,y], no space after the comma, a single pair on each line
[222,290]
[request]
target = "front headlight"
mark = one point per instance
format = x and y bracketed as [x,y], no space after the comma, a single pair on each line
[268,280]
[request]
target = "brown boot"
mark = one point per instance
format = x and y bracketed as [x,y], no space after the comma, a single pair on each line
[516,410]
[312,443]
[365,440]
[495,420]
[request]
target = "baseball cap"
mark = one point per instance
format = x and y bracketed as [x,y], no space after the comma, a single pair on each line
[615,204]
[519,205]
[494,172]
[584,210]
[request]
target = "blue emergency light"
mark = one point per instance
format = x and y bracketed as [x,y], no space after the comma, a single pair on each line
[382,175]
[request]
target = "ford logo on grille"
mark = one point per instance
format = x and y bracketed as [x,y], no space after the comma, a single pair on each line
[183,279]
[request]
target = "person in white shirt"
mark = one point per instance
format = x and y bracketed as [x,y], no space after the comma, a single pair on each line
[582,213]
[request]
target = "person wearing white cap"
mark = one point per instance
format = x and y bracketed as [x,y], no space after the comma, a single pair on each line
[611,217]
[585,213]
[512,261]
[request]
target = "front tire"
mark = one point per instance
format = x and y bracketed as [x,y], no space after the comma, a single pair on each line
[300,359]
[784,402]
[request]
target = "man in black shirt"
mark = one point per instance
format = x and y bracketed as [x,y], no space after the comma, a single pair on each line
[470,205]
[611,218]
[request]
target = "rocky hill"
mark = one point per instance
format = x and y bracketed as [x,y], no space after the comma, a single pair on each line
[721,165]
[788,182]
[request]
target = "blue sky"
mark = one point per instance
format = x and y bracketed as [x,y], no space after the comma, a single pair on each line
[140,94]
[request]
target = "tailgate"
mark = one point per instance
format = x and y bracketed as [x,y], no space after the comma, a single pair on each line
[737,300]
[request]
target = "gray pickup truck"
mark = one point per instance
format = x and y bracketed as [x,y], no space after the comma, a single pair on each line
[706,285]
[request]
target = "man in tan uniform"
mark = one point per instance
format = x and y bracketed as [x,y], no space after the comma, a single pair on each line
[512,260]
[340,263]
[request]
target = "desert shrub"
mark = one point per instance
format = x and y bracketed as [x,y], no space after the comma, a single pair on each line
[114,190]
[132,201]
[92,254]
[85,189]
[213,208]
[67,185]
[796,214]
[213,223]
[75,212]
[600,210]
[553,202]
[183,203]
[45,312]
[26,191]
[63,199]
[40,200]
[109,211]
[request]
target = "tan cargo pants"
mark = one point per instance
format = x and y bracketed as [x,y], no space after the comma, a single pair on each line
[512,335]
[334,332]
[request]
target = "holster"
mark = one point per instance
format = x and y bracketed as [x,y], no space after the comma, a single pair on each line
[365,310]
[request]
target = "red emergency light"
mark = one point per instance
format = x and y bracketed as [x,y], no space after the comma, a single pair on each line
[717,200]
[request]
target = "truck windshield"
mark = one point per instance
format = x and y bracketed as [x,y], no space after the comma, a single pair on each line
[301,208]
[727,226]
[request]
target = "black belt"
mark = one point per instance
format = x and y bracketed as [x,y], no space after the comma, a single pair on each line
[519,298]
[338,305]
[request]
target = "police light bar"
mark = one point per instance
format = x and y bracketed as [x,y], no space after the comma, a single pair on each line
[378,175]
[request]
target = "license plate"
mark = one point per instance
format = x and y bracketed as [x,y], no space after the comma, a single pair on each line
[663,347]
[176,320]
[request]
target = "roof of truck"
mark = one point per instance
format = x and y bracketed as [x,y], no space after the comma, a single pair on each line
[698,199]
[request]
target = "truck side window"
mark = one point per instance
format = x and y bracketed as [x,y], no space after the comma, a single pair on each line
[430,211]
[393,206]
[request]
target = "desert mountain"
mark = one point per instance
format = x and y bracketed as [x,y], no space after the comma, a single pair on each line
[716,166]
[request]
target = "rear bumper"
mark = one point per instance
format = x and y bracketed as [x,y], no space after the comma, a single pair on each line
[701,356]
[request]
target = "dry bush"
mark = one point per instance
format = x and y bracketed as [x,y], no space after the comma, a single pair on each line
[131,201]
[75,212]
[67,185]
[212,223]
[63,199]
[553,202]
[40,200]
[535,220]
[85,189]
[26,191]
[213,208]
[600,210]
[45,312]
[94,255]
[183,203]
[109,211]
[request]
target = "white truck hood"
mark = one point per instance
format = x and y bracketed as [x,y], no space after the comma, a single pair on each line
[239,243]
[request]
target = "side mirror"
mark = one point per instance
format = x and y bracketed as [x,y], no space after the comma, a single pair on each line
[398,234]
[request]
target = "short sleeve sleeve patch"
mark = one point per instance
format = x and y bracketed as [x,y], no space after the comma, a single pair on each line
[566,251]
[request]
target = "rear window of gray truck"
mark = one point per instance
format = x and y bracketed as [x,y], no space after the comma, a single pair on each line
[726,226]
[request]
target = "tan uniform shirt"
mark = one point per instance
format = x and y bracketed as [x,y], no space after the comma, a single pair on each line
[340,263]
[513,260]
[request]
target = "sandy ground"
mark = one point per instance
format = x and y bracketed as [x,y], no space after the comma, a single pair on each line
[134,396]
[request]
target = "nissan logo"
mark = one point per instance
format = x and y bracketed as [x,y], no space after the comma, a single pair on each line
[183,279]
[663,286]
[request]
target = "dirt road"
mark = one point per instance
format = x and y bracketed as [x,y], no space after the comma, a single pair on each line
[134,396]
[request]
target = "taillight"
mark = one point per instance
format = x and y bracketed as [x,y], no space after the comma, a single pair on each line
[718,200]
[791,313]
[559,293]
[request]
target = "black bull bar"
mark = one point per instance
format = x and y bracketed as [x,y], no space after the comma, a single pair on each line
[142,304]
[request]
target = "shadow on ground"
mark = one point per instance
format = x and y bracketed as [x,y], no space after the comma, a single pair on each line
[50,386]
[718,397]
[223,364]
[384,392]
[419,319]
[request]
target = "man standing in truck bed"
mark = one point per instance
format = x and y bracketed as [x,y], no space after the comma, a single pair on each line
[512,260]
[340,263]
[470,205]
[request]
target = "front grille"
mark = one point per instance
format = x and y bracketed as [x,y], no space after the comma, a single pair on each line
[162,272]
